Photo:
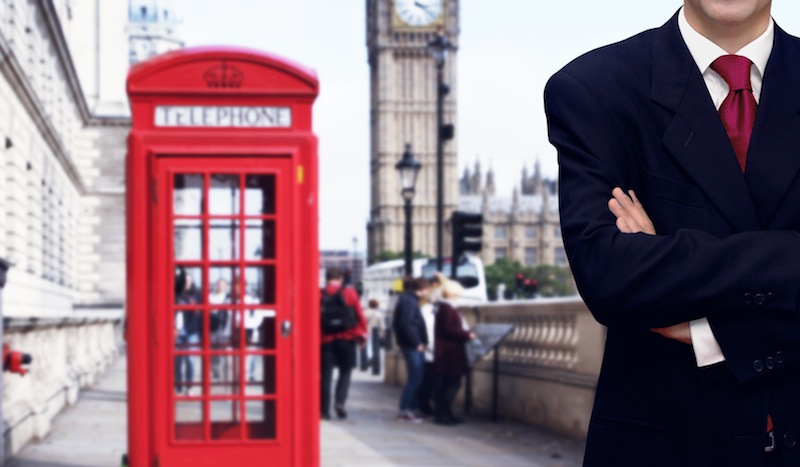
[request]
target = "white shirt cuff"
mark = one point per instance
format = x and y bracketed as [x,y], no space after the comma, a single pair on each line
[706,348]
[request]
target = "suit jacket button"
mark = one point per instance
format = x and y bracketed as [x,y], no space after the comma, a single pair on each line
[770,296]
[760,299]
[748,298]
[780,358]
[770,362]
[758,366]
[789,439]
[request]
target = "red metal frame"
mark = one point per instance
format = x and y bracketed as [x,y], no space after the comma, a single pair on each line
[155,154]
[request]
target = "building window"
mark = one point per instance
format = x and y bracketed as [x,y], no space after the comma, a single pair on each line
[561,257]
[557,232]
[530,231]
[500,232]
[531,256]
[500,253]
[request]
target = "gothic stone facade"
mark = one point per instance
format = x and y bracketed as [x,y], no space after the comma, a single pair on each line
[525,227]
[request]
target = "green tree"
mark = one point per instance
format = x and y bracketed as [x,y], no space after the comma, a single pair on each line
[553,281]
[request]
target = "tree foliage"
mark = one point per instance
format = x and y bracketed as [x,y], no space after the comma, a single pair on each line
[553,281]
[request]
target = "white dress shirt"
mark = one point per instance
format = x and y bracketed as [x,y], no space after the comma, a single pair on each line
[704,52]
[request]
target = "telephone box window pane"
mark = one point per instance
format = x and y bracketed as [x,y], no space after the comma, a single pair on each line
[261,381]
[188,240]
[223,329]
[260,325]
[225,375]
[230,275]
[188,285]
[189,420]
[259,197]
[261,283]
[188,375]
[224,240]
[224,197]
[225,418]
[187,195]
[261,419]
[260,239]
[188,330]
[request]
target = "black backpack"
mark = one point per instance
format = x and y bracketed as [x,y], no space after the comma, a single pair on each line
[337,315]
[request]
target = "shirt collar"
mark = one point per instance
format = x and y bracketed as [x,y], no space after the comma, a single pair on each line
[705,52]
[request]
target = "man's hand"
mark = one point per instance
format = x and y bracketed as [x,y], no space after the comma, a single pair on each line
[421,348]
[679,332]
[631,216]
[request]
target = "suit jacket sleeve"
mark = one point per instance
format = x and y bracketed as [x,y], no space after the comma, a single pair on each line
[656,281]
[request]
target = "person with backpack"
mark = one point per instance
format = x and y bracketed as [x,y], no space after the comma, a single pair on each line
[412,338]
[343,328]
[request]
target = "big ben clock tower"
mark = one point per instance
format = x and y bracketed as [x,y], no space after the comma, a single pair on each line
[403,110]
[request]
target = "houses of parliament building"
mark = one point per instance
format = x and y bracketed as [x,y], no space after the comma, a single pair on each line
[524,227]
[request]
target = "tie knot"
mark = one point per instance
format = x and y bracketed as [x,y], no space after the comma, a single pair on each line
[735,70]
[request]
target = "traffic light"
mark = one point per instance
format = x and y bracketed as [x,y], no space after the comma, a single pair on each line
[467,233]
[448,131]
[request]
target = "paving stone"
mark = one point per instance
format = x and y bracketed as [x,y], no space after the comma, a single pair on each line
[93,433]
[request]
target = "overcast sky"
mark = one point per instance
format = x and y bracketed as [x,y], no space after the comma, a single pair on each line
[509,48]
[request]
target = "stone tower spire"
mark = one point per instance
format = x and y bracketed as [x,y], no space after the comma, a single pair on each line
[476,177]
[490,189]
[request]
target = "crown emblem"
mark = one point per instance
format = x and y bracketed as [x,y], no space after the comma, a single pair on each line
[223,76]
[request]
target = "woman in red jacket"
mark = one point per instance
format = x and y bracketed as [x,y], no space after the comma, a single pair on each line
[450,358]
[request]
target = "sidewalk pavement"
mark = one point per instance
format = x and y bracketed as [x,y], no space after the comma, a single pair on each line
[93,434]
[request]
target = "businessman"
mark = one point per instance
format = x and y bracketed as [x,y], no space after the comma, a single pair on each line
[693,260]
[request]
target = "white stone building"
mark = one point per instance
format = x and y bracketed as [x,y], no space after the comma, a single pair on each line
[64,120]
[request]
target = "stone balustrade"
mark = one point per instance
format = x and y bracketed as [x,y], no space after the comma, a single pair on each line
[68,354]
[548,366]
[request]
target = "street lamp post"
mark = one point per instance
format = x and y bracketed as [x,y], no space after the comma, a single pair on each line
[408,167]
[438,48]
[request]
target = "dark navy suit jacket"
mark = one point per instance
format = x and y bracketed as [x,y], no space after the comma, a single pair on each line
[637,114]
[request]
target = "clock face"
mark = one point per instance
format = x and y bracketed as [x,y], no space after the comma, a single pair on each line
[418,12]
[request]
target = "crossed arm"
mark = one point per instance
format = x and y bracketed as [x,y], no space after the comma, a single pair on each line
[632,218]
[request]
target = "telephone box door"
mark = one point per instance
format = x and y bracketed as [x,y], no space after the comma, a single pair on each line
[224,311]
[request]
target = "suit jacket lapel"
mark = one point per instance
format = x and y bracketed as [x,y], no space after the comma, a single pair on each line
[773,160]
[696,138]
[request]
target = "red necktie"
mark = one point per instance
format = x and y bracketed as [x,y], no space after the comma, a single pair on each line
[738,110]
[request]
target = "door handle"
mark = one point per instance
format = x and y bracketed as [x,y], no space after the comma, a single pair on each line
[286,328]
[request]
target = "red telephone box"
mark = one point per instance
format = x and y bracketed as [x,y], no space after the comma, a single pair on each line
[223,288]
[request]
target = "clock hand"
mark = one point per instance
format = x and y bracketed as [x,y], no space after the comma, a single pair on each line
[423,6]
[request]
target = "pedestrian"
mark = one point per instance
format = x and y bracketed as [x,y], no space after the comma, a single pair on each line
[429,379]
[450,360]
[188,329]
[219,330]
[252,323]
[688,135]
[376,319]
[339,347]
[412,338]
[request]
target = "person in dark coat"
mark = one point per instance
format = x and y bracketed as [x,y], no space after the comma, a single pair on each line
[412,338]
[450,359]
